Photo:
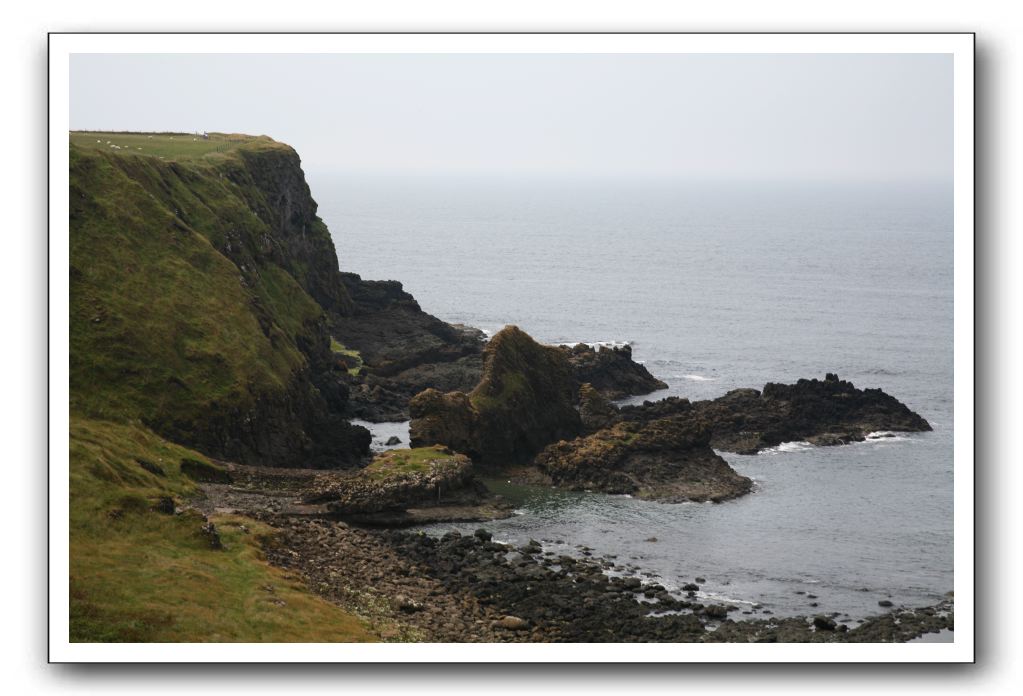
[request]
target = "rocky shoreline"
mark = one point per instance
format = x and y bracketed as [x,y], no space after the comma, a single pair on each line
[411,586]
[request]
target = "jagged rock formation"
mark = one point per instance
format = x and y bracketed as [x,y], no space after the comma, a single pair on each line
[611,371]
[196,292]
[823,412]
[668,459]
[404,349]
[524,400]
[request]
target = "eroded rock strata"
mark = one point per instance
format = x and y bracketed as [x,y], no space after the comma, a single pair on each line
[404,487]
[669,459]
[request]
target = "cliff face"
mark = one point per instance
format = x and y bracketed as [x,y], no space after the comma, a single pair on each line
[198,290]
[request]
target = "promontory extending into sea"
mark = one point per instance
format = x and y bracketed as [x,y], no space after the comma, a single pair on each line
[220,490]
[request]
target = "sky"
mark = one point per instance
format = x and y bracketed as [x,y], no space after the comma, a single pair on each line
[873,118]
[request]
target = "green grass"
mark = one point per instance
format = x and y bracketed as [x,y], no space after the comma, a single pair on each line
[183,308]
[163,326]
[141,576]
[354,356]
[509,387]
[169,146]
[407,461]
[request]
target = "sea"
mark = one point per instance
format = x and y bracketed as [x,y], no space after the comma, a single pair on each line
[715,286]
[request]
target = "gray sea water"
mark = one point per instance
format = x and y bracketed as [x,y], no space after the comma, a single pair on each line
[716,287]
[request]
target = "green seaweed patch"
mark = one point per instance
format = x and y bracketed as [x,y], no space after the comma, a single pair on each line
[400,462]
[353,358]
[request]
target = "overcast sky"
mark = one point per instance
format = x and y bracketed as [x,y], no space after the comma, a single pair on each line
[732,117]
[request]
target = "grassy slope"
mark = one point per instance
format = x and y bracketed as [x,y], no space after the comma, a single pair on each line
[138,575]
[163,326]
[156,327]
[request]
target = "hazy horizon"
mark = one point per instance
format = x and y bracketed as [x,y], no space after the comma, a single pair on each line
[800,118]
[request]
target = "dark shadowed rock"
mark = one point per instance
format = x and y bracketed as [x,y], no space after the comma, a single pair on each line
[611,370]
[595,411]
[443,419]
[823,412]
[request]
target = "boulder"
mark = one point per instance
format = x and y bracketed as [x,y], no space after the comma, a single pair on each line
[512,623]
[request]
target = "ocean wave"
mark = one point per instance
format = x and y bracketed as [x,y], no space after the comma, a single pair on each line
[795,446]
[882,436]
[718,597]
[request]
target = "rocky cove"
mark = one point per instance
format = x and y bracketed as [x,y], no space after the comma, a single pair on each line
[440,584]
[270,383]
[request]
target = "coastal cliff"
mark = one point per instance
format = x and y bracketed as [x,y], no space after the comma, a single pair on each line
[199,290]
[218,489]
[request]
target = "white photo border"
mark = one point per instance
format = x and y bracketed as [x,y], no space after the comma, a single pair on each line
[63,45]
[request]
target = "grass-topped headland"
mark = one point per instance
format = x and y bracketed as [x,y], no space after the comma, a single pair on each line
[198,302]
[200,282]
[169,146]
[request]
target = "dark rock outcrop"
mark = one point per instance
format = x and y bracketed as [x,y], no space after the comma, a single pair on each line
[668,459]
[525,400]
[407,487]
[823,412]
[447,419]
[611,370]
[595,411]
[404,349]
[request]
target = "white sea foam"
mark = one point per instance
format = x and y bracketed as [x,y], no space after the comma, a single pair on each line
[886,436]
[718,597]
[795,446]
[597,344]
[697,378]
